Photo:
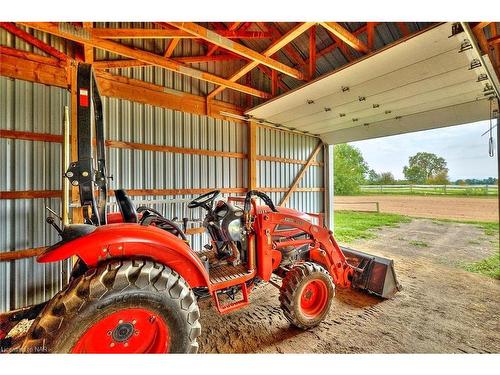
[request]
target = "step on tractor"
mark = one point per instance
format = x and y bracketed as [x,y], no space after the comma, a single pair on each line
[136,281]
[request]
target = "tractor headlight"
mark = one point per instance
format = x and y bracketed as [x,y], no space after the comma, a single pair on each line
[234,229]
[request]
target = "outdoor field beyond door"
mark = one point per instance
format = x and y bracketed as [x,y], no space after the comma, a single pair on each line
[455,208]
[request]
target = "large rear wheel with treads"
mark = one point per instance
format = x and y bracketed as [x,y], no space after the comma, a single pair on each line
[306,295]
[130,306]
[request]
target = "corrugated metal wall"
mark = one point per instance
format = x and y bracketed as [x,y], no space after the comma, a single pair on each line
[273,174]
[29,165]
[33,165]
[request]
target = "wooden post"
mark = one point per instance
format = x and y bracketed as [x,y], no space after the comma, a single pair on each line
[252,155]
[77,214]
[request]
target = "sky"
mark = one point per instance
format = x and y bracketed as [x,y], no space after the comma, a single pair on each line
[465,151]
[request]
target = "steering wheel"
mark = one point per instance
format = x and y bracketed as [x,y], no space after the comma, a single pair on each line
[206,200]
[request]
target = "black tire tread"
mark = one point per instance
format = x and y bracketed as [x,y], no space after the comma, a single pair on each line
[289,286]
[95,284]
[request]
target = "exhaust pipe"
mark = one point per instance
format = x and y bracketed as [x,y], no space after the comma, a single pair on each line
[372,273]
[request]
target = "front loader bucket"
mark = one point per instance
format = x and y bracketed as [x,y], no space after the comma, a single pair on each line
[372,273]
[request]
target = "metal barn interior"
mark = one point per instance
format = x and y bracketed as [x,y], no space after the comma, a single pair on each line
[190,107]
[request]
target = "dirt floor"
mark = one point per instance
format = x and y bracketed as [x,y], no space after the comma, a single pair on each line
[458,208]
[442,308]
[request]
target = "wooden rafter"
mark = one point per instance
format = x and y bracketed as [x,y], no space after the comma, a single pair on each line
[403,27]
[237,48]
[300,175]
[79,35]
[288,50]
[478,31]
[343,47]
[271,50]
[171,47]
[345,35]
[13,29]
[129,63]
[370,35]
[312,52]
[234,26]
[163,33]
[335,45]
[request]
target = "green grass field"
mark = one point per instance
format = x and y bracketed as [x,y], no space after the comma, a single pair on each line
[350,225]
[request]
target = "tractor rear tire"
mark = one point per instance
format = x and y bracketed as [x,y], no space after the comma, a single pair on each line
[123,306]
[306,295]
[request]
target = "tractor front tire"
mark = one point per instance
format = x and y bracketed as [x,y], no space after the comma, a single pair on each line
[123,306]
[306,295]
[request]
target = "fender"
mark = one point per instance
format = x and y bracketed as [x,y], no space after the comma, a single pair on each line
[126,240]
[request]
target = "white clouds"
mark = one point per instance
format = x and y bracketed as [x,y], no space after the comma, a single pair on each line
[462,146]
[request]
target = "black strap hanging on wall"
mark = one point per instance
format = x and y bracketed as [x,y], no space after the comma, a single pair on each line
[84,173]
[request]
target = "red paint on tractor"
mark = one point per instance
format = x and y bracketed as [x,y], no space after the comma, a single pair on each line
[134,330]
[129,240]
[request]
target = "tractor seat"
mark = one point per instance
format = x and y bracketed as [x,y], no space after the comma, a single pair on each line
[126,206]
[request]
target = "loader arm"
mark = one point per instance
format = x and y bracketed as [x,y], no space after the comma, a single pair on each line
[324,248]
[348,267]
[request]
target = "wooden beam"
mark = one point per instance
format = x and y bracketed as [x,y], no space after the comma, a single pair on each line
[108,33]
[30,194]
[160,96]
[13,29]
[343,47]
[31,56]
[335,45]
[496,46]
[271,50]
[172,149]
[129,63]
[88,51]
[345,35]
[274,83]
[480,26]
[13,66]
[79,35]
[494,40]
[301,174]
[29,70]
[171,47]
[155,192]
[237,48]
[122,63]
[312,52]
[252,155]
[43,194]
[8,256]
[481,39]
[288,50]
[286,160]
[29,136]
[403,27]
[297,190]
[234,26]
[54,138]
[370,35]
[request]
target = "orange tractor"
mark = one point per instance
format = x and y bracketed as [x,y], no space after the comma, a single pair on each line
[136,282]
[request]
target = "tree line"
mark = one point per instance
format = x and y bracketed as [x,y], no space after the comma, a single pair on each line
[351,171]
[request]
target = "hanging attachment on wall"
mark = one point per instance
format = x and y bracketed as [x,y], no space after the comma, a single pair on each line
[491,140]
[465,46]
[475,63]
[456,29]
